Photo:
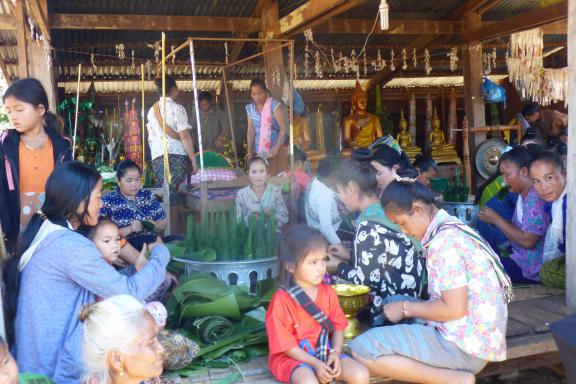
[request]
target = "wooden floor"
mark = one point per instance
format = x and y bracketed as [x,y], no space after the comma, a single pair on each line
[530,343]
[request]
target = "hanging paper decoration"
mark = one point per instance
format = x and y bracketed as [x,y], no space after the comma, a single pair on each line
[414,58]
[354,63]
[392,66]
[157,47]
[133,63]
[453,56]
[427,66]
[32,29]
[93,62]
[148,66]
[336,63]
[120,51]
[317,65]
[365,66]
[493,57]
[276,76]
[172,48]
[225,52]
[346,64]
[404,65]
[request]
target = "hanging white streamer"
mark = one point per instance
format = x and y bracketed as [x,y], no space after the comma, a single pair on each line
[200,147]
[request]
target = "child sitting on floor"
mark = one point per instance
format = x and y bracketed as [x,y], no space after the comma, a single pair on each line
[260,197]
[106,236]
[305,322]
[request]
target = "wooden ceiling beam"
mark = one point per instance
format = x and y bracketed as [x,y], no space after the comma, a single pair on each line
[154,22]
[7,22]
[397,27]
[535,18]
[20,21]
[308,15]
[478,6]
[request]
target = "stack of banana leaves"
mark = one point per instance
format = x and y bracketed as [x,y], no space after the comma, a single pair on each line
[227,322]
[220,237]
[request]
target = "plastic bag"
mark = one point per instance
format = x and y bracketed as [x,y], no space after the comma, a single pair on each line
[492,92]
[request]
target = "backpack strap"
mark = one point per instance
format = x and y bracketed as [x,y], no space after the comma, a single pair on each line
[169,131]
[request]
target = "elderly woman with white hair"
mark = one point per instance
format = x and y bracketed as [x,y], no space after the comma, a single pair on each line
[120,342]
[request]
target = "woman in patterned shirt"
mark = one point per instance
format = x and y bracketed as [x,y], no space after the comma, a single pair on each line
[384,258]
[465,317]
[135,211]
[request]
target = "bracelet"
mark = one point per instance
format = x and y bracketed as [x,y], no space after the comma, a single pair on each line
[405,309]
[333,350]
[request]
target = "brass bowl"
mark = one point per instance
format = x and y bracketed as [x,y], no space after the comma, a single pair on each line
[352,298]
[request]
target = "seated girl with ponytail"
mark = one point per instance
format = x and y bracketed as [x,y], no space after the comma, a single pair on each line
[30,152]
[465,317]
[384,258]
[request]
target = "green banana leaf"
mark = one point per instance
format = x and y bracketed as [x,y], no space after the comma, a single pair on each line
[176,250]
[206,255]
[212,328]
[226,306]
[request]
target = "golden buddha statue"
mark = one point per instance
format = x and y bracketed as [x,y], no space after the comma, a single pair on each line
[405,140]
[441,151]
[360,128]
[301,132]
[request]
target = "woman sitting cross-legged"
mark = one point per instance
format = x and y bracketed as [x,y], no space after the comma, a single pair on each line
[384,259]
[528,227]
[137,212]
[466,313]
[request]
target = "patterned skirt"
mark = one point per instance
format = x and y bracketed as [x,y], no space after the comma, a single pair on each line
[179,168]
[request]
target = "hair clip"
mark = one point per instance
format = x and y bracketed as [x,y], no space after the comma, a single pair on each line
[404,179]
[42,214]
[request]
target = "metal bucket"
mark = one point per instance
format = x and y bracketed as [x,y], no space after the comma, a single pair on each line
[466,212]
[241,272]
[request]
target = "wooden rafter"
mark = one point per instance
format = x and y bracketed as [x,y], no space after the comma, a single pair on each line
[238,47]
[397,27]
[477,6]
[154,22]
[533,19]
[7,22]
[308,15]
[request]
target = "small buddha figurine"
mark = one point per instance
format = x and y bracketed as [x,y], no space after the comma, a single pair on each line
[301,132]
[360,128]
[405,140]
[441,151]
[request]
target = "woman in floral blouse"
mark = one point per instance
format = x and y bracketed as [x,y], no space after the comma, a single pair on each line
[465,317]
[384,258]
[135,211]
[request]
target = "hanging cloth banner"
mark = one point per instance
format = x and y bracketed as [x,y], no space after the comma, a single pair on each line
[167,174]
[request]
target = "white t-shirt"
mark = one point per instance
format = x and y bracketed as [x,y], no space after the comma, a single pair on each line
[322,210]
[177,119]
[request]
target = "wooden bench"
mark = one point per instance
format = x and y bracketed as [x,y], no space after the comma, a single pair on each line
[530,342]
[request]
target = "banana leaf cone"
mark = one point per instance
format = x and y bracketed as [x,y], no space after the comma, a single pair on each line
[206,255]
[226,306]
[248,250]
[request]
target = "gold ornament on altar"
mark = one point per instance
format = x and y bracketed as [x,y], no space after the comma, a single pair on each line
[352,299]
[360,128]
[441,151]
[405,140]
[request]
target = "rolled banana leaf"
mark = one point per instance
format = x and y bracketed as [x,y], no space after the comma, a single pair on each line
[226,306]
[212,328]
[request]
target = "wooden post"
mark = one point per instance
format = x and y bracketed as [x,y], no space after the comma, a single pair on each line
[474,102]
[21,42]
[273,61]
[571,185]
[412,118]
[428,126]
[466,152]
[452,119]
[229,110]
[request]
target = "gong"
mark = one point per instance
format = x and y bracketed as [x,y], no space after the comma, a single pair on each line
[488,156]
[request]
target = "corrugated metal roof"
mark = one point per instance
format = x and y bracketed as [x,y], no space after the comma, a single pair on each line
[449,81]
[135,86]
[507,8]
[403,9]
[237,8]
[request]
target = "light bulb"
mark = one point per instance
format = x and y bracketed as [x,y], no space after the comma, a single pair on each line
[383,9]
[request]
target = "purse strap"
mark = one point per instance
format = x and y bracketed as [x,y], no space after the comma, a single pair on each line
[169,131]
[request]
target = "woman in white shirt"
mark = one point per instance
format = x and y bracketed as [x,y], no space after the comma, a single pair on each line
[322,201]
[178,139]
